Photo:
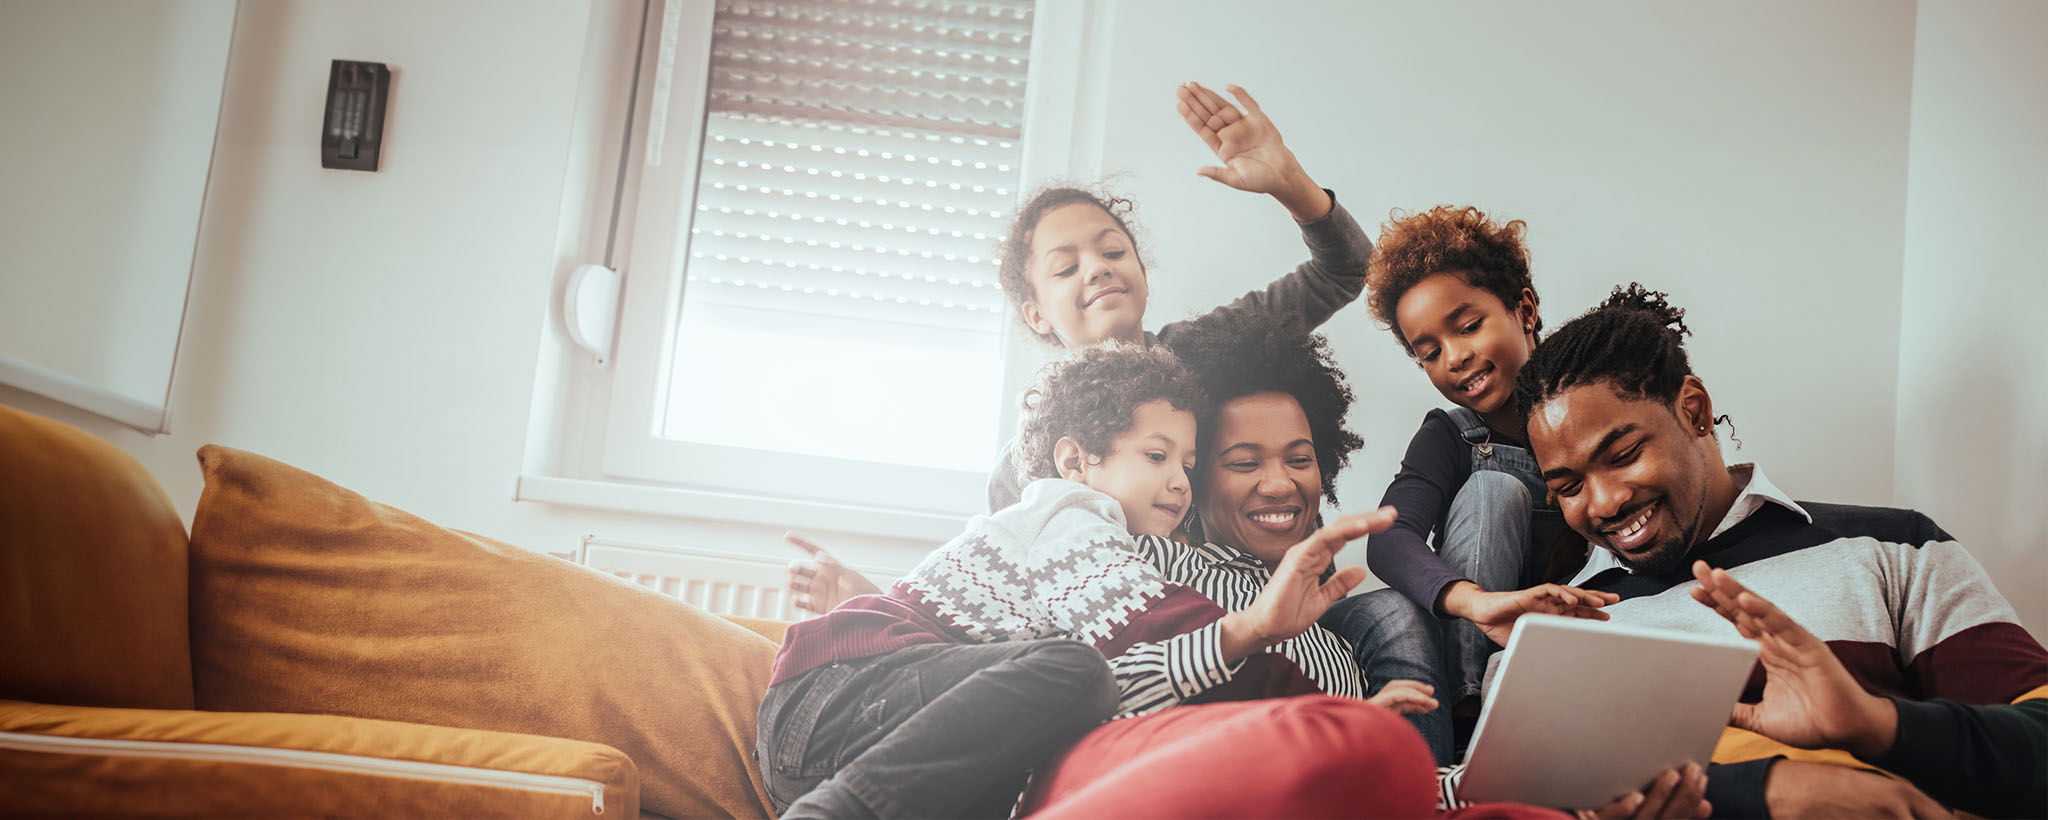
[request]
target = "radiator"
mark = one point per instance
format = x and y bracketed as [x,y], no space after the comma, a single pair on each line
[722,583]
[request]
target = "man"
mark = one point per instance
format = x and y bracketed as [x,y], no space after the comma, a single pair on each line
[1892,650]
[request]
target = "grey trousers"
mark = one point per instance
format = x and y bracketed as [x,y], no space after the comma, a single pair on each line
[936,730]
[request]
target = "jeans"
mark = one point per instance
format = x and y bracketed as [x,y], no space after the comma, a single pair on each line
[1486,539]
[1394,639]
[934,730]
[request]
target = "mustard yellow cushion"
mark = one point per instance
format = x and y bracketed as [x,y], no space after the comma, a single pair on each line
[308,598]
[92,573]
[105,762]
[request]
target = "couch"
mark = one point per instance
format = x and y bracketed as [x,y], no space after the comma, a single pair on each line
[304,651]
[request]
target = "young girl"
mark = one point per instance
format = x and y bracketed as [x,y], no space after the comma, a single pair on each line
[1072,270]
[1454,287]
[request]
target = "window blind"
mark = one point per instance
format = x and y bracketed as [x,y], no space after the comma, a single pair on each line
[860,158]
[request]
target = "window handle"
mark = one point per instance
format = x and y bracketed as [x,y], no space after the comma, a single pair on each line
[590,307]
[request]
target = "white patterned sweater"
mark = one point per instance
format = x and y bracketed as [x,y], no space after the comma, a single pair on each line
[1060,563]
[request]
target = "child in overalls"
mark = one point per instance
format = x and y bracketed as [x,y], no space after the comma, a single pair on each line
[1454,288]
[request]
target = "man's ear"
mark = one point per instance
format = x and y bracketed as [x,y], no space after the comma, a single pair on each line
[1035,319]
[1695,407]
[1068,458]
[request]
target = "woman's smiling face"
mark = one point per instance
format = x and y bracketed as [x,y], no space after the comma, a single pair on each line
[1262,485]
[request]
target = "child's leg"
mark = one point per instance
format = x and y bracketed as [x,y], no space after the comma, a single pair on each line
[1305,756]
[1485,539]
[1395,639]
[952,731]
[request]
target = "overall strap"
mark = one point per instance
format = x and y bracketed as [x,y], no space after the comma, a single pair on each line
[1471,427]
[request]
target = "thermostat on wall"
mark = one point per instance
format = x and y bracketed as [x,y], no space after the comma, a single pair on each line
[354,131]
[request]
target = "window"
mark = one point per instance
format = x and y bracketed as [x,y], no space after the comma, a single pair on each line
[811,310]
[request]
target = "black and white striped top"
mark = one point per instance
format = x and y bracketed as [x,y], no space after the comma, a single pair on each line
[1232,578]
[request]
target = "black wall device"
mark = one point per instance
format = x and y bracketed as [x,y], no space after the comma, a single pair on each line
[353,135]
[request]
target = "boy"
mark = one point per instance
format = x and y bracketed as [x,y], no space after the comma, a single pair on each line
[936,698]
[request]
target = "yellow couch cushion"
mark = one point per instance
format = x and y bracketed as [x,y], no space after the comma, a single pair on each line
[92,573]
[309,598]
[103,762]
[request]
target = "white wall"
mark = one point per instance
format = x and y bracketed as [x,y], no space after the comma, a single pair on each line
[1751,158]
[1972,451]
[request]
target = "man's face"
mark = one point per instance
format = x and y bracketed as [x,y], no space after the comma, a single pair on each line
[1630,475]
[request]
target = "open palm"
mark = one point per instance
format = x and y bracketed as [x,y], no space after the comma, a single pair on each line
[1254,157]
[1809,700]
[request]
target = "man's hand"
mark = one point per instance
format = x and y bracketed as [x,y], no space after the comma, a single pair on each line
[1675,794]
[1809,699]
[1495,612]
[1405,697]
[1254,157]
[1798,788]
[1296,595]
[818,582]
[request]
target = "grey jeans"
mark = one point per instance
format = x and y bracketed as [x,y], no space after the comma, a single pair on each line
[935,730]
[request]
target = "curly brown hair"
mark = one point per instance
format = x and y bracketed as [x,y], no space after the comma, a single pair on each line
[1092,397]
[1015,272]
[1489,256]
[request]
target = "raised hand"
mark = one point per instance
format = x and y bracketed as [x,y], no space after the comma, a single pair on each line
[818,582]
[1405,697]
[1495,612]
[1809,698]
[1254,157]
[1297,595]
[1673,794]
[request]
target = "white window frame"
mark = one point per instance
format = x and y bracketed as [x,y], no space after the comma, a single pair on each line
[627,465]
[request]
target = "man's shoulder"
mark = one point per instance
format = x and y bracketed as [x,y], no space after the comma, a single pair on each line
[1894,525]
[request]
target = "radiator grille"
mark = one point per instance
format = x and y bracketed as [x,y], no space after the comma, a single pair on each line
[722,583]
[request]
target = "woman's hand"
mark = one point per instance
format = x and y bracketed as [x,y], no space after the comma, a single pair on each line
[1296,595]
[1676,793]
[1809,699]
[1495,612]
[1254,157]
[818,582]
[1405,697]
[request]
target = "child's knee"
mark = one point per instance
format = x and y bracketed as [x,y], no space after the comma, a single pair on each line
[1078,671]
[1342,740]
[1492,492]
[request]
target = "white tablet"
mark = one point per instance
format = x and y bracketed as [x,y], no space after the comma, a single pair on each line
[1583,711]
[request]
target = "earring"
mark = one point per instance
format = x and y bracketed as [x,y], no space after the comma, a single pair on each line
[1703,428]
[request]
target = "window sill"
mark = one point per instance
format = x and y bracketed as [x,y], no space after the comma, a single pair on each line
[772,511]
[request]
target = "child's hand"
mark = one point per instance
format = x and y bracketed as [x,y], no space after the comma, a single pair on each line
[1254,157]
[819,582]
[1297,594]
[1405,697]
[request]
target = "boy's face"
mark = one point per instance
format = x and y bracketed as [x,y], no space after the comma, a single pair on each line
[1470,344]
[1147,468]
[1086,283]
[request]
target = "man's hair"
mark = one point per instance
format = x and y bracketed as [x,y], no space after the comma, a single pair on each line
[1015,271]
[1634,342]
[1239,354]
[1092,397]
[1488,255]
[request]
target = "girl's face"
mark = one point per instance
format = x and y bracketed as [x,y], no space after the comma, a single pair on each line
[1262,485]
[1086,283]
[1470,344]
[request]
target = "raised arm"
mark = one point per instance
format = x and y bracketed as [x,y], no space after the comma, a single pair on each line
[1255,159]
[1983,758]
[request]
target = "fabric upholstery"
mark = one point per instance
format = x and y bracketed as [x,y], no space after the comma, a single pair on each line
[232,756]
[92,573]
[309,598]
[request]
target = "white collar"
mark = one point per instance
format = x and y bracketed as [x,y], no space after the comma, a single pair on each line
[1757,490]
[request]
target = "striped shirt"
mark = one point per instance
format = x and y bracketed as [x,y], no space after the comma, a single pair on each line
[1907,611]
[1060,563]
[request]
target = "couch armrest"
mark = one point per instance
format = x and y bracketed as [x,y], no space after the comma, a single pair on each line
[97,761]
